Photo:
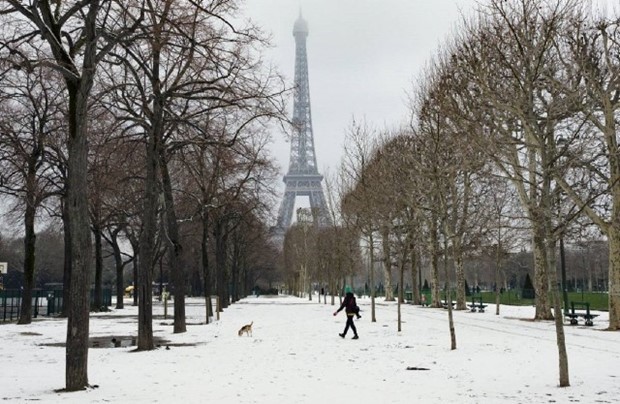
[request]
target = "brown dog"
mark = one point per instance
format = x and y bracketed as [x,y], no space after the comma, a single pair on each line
[247,329]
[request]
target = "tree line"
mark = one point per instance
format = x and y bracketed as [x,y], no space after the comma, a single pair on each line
[140,122]
[148,122]
[513,135]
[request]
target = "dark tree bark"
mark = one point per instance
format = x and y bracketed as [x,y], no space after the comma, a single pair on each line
[28,116]
[71,34]
[120,266]
[98,293]
[66,276]
[221,274]
[175,249]
[25,316]
[142,285]
[30,235]
[206,273]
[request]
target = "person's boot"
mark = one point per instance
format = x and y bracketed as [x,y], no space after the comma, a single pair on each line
[341,335]
[355,337]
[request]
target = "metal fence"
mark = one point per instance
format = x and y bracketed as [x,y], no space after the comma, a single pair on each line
[44,302]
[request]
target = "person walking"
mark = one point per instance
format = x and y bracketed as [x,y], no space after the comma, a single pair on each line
[350,305]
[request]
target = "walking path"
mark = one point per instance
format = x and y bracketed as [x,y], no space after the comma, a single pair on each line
[296,356]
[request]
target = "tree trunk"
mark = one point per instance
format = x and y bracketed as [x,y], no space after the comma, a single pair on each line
[541,279]
[66,274]
[81,247]
[558,316]
[449,299]
[146,255]
[461,298]
[415,284]
[497,272]
[220,263]
[206,275]
[614,277]
[25,315]
[118,263]
[434,255]
[98,295]
[387,264]
[373,317]
[136,272]
[401,292]
[234,269]
[175,249]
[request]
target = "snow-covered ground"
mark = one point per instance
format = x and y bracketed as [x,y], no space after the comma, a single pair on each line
[296,356]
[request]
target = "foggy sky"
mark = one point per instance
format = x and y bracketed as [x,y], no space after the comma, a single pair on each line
[363,56]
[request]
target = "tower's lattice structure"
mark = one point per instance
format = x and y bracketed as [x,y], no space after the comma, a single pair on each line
[303,178]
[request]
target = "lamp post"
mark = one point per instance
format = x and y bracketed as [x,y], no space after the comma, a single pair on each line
[561,142]
[563,269]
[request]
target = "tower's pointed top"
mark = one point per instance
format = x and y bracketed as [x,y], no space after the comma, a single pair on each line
[301,26]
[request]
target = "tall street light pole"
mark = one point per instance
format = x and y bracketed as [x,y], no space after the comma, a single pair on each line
[563,269]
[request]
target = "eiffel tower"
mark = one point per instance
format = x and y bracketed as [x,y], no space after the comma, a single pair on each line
[303,178]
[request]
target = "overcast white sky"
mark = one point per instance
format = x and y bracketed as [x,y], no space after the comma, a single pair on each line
[363,56]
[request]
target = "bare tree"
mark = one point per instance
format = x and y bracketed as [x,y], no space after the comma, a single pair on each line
[70,39]
[356,192]
[508,56]
[30,115]
[588,165]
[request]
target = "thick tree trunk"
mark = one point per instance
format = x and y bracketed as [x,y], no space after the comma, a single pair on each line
[234,270]
[541,279]
[415,283]
[221,273]
[136,272]
[614,277]
[81,247]
[25,315]
[143,285]
[175,248]
[461,298]
[66,274]
[206,274]
[387,265]
[118,263]
[98,295]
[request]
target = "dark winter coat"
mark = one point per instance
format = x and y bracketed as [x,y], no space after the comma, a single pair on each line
[349,304]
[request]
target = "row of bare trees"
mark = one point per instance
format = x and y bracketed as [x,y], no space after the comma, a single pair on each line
[143,122]
[317,258]
[513,134]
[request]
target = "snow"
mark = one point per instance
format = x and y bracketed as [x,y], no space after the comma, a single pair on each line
[296,356]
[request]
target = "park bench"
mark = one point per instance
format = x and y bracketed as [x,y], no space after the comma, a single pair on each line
[425,301]
[574,315]
[445,305]
[476,304]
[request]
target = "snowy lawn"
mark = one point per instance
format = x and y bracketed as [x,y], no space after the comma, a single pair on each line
[296,356]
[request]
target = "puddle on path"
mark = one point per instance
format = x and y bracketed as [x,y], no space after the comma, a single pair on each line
[122,342]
